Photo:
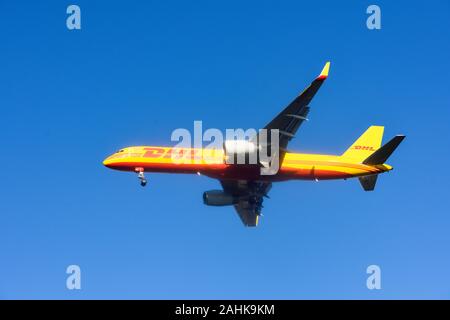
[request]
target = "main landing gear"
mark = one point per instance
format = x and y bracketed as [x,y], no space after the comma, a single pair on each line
[140,172]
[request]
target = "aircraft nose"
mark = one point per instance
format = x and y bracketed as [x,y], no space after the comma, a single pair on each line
[107,161]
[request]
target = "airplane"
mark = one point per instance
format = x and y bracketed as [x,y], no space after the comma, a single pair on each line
[243,185]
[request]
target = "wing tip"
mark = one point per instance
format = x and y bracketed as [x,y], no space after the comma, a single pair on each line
[324,74]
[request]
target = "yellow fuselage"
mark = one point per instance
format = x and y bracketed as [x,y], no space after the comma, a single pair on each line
[212,163]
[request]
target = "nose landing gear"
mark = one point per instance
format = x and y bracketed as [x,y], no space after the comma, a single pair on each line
[141,176]
[143,180]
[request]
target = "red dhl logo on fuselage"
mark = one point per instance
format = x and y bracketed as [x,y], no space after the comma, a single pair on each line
[159,152]
[365,148]
[167,153]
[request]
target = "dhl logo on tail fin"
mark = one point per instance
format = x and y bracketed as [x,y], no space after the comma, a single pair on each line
[365,145]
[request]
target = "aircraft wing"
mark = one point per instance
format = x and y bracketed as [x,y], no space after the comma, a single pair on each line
[290,119]
[250,195]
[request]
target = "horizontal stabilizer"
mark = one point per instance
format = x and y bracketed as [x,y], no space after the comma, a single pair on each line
[381,155]
[368,182]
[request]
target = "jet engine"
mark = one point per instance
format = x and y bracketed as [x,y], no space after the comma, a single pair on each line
[218,198]
[241,151]
[239,146]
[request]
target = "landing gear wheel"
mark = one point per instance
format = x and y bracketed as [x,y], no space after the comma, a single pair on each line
[141,176]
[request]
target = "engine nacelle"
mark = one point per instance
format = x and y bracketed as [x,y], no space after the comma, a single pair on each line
[239,147]
[241,152]
[218,198]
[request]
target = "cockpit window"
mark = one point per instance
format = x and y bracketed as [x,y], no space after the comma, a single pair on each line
[121,151]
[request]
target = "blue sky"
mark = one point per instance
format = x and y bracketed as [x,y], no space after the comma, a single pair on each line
[137,71]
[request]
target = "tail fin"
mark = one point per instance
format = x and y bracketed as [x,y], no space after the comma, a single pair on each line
[367,143]
[381,155]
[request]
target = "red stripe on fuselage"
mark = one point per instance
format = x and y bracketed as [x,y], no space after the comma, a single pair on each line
[226,171]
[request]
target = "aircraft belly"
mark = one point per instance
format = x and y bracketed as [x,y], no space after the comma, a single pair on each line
[243,172]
